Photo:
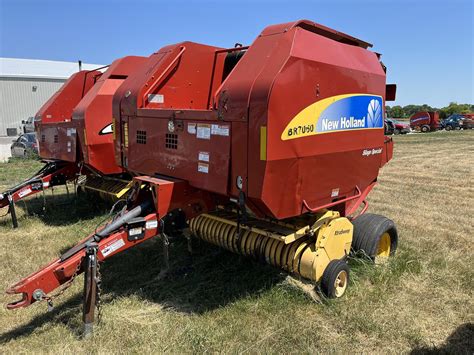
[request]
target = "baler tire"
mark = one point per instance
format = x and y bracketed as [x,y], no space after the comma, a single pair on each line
[335,279]
[425,129]
[369,229]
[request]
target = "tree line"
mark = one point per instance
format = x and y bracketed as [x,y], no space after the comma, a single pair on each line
[408,110]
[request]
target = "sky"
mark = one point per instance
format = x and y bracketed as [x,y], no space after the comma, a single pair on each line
[427,46]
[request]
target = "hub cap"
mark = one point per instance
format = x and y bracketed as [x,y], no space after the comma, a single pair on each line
[340,284]
[383,250]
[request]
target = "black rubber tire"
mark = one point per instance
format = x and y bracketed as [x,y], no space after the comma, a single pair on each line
[396,131]
[448,128]
[329,277]
[425,129]
[368,229]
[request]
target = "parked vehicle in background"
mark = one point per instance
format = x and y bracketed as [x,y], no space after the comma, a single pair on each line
[425,121]
[28,125]
[389,127]
[399,127]
[24,146]
[467,121]
[453,122]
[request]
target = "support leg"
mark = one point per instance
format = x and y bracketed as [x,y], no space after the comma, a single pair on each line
[90,289]
[44,201]
[166,256]
[12,211]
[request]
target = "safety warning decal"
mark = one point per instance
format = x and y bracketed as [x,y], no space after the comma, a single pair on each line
[204,156]
[191,128]
[24,192]
[203,168]
[151,224]
[113,246]
[203,131]
[336,114]
[156,98]
[220,130]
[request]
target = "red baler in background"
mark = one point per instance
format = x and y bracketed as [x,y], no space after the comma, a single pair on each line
[74,131]
[268,151]
[425,121]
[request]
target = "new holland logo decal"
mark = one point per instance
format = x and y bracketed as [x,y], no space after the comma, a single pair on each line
[336,114]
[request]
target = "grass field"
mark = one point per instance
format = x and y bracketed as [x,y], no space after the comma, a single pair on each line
[421,301]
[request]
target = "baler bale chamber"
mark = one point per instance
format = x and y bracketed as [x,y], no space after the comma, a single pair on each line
[268,151]
[286,135]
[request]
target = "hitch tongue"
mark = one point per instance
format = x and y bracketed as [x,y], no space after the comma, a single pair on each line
[23,302]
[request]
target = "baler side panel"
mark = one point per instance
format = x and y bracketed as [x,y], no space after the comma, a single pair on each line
[60,106]
[95,132]
[187,82]
[168,135]
[203,162]
[322,167]
[233,102]
[278,49]
[57,141]
[92,117]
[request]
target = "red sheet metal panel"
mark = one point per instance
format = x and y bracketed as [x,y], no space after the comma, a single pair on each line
[51,129]
[170,129]
[57,141]
[60,106]
[92,117]
[281,75]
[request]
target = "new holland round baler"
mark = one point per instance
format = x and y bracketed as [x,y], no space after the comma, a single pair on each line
[268,151]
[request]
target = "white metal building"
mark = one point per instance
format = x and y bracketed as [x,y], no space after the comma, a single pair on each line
[26,84]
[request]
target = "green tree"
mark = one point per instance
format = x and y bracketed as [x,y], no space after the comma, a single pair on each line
[397,112]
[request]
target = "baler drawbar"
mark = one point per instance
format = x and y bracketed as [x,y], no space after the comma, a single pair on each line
[268,151]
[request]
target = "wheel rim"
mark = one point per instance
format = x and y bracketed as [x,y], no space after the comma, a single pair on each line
[383,250]
[340,284]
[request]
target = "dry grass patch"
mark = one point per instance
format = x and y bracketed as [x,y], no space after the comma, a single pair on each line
[420,301]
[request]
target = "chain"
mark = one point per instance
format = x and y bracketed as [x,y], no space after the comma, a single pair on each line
[99,293]
[67,284]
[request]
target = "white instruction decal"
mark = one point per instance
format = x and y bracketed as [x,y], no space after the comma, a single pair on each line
[191,128]
[46,184]
[109,249]
[203,168]
[156,98]
[203,131]
[151,224]
[219,130]
[335,192]
[71,131]
[135,231]
[204,156]
[24,192]
[368,152]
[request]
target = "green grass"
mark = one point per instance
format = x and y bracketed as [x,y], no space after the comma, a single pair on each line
[421,301]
